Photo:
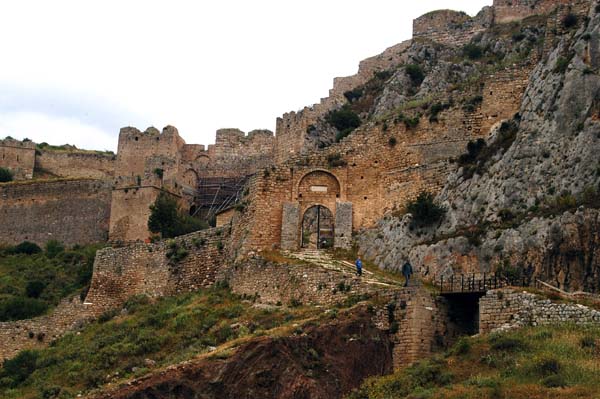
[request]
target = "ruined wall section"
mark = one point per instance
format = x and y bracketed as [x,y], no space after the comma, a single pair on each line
[516,10]
[18,157]
[73,164]
[70,211]
[452,28]
[147,269]
[35,333]
[507,308]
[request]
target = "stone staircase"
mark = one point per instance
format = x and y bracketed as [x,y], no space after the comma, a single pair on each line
[325,260]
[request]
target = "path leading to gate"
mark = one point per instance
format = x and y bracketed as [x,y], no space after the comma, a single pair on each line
[325,260]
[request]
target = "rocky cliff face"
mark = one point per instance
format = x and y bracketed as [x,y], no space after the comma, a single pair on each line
[527,200]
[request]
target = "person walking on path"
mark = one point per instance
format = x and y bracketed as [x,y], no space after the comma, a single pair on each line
[407,271]
[358,266]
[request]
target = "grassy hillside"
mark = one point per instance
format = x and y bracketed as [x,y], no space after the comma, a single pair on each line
[33,280]
[537,362]
[143,336]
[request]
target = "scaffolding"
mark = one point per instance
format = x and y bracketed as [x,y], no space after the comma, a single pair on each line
[215,194]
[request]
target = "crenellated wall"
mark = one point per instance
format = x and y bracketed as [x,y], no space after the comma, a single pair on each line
[70,211]
[291,128]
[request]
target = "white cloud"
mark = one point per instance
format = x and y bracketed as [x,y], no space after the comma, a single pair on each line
[199,66]
[55,130]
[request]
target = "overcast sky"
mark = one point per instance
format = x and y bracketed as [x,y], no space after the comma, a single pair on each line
[76,71]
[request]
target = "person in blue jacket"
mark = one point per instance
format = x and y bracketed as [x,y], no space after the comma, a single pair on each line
[358,266]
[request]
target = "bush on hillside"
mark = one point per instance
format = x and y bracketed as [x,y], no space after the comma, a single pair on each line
[26,247]
[19,308]
[415,73]
[344,120]
[53,248]
[5,175]
[425,211]
[472,51]
[569,21]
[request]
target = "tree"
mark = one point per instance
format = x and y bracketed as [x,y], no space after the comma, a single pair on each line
[169,221]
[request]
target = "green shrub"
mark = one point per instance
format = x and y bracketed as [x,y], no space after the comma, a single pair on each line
[27,248]
[19,368]
[561,65]
[159,172]
[19,308]
[53,248]
[436,109]
[392,141]
[169,221]
[345,120]
[415,73]
[34,289]
[569,20]
[547,366]
[5,175]
[472,51]
[507,344]
[336,160]
[462,347]
[517,37]
[353,95]
[424,210]
[554,381]
[588,342]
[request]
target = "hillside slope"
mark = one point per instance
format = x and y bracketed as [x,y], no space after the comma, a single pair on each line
[527,199]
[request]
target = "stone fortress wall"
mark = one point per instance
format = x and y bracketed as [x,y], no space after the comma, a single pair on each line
[71,211]
[371,178]
[18,157]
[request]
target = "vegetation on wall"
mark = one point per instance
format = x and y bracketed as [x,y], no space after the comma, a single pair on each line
[33,280]
[479,153]
[146,335]
[536,362]
[5,175]
[167,220]
[345,120]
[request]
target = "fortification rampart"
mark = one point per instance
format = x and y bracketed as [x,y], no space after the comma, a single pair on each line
[168,267]
[451,27]
[18,157]
[515,10]
[73,164]
[71,211]
[15,336]
[508,308]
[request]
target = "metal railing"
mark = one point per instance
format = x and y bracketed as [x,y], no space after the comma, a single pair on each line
[477,283]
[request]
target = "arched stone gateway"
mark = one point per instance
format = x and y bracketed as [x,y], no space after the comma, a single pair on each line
[318,228]
[318,216]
